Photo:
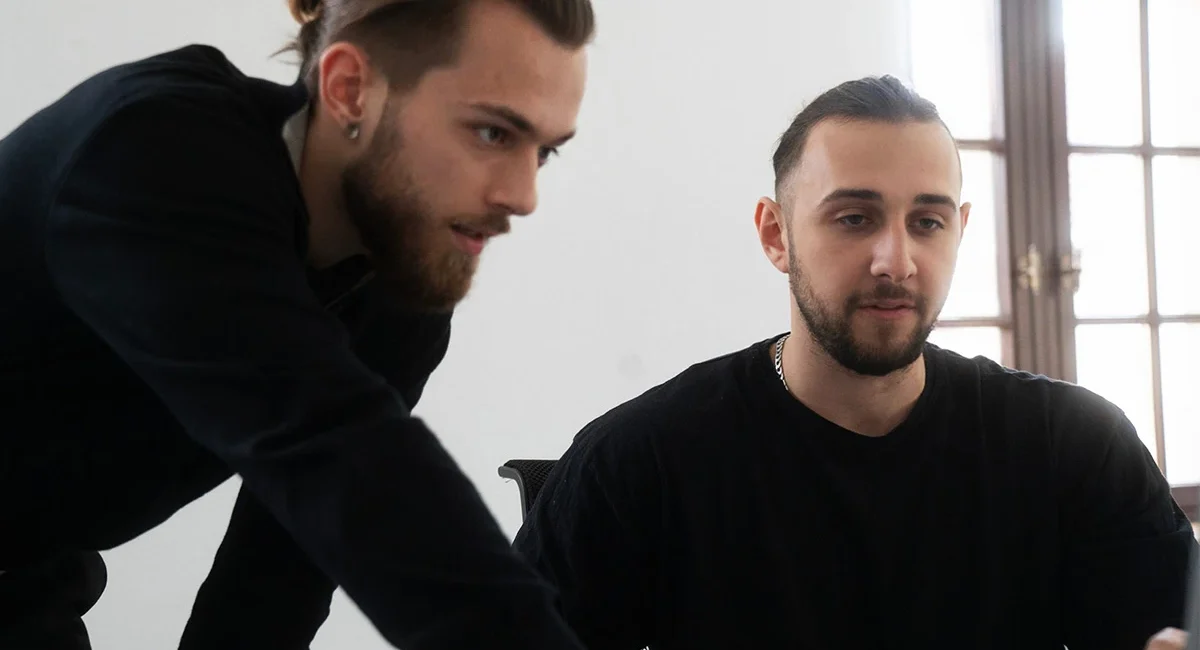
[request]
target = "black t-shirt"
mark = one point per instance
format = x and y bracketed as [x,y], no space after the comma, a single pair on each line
[1010,511]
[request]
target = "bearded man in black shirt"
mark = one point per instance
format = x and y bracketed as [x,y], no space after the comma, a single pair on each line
[847,484]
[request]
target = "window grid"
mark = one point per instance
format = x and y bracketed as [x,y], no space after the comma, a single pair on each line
[1147,152]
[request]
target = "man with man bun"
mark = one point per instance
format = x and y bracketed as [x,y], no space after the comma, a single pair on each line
[207,274]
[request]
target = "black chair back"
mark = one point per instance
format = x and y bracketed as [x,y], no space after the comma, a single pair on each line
[530,475]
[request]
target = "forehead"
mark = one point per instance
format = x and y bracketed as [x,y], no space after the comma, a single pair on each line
[506,59]
[898,160]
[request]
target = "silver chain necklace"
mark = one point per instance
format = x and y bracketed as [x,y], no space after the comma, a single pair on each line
[779,361]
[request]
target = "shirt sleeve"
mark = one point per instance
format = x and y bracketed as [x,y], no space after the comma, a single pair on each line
[174,240]
[589,533]
[262,590]
[1126,544]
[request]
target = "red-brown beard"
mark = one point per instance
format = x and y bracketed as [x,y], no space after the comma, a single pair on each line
[413,251]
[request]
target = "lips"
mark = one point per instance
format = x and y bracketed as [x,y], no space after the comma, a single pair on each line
[471,239]
[471,232]
[889,304]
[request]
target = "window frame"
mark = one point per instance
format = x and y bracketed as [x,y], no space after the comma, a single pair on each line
[1038,152]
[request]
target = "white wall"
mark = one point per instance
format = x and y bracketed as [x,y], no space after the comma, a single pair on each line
[641,259]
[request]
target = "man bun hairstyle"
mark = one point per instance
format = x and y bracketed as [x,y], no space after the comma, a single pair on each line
[874,99]
[308,14]
[406,38]
[304,10]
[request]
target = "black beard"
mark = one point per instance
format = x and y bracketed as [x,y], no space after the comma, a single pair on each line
[835,335]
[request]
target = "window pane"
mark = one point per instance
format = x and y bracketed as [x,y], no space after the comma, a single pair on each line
[1180,344]
[954,62]
[1114,362]
[1176,231]
[976,289]
[970,341]
[1102,47]
[1108,227]
[1174,57]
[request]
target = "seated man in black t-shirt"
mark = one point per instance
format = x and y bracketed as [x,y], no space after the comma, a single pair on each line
[849,485]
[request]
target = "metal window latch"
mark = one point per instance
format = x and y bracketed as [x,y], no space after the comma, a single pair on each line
[1069,269]
[1029,270]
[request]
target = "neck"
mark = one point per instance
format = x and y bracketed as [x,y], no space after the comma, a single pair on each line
[869,406]
[331,235]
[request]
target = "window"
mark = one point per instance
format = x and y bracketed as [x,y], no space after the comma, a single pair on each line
[966,89]
[1132,148]
[1078,124]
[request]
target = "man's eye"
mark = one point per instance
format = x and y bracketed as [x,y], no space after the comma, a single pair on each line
[492,134]
[929,223]
[853,220]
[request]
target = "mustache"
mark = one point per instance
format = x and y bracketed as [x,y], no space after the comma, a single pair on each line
[492,223]
[887,291]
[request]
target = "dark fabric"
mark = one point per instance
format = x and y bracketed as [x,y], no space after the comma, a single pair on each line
[42,604]
[263,592]
[716,511]
[162,331]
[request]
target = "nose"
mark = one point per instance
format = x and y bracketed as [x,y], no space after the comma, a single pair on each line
[514,188]
[892,254]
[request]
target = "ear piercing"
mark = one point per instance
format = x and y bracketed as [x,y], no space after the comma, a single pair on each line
[353,130]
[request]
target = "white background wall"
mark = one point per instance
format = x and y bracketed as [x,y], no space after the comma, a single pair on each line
[641,259]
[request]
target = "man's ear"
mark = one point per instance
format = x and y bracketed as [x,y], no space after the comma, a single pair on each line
[769,221]
[348,86]
[964,214]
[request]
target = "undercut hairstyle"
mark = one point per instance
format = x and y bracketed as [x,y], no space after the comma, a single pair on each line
[874,99]
[406,38]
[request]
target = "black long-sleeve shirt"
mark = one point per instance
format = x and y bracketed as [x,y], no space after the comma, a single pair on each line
[161,330]
[1009,511]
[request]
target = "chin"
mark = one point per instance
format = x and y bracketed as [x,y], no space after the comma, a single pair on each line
[425,292]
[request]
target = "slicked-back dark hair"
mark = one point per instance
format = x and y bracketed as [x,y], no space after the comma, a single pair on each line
[406,38]
[875,99]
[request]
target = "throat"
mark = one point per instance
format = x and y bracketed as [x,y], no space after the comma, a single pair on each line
[868,406]
[332,235]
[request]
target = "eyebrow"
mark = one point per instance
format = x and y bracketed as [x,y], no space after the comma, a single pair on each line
[516,120]
[844,193]
[872,195]
[935,199]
